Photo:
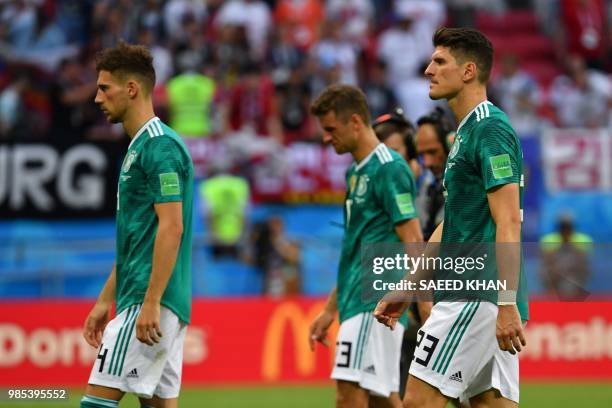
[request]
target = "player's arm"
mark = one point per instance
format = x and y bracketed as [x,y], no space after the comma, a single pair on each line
[320,325]
[98,317]
[165,249]
[410,232]
[394,304]
[504,204]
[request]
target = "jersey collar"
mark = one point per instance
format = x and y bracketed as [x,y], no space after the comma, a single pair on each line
[366,159]
[142,129]
[481,105]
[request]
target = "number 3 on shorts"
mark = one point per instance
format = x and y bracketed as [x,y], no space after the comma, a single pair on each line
[429,346]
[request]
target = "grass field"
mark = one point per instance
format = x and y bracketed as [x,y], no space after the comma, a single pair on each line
[533,395]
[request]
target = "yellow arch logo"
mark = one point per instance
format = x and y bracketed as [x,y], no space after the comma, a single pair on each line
[290,313]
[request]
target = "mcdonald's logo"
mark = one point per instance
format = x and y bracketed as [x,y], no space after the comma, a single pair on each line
[292,314]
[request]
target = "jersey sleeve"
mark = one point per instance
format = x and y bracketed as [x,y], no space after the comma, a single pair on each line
[498,156]
[396,191]
[166,174]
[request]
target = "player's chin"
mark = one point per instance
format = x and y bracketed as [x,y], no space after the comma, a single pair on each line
[340,149]
[112,119]
[435,95]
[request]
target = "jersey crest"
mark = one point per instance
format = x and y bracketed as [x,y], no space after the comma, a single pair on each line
[455,149]
[128,161]
[362,185]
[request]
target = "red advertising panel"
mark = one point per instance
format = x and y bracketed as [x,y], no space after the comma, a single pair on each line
[568,340]
[264,341]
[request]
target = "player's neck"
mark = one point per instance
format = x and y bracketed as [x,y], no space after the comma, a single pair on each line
[365,145]
[136,117]
[466,101]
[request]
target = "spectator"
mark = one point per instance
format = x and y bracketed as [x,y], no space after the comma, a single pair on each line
[24,106]
[251,105]
[231,54]
[303,18]
[175,13]
[400,40]
[381,98]
[518,94]
[395,131]
[278,258]
[405,75]
[283,56]
[433,138]
[111,24]
[162,58]
[294,101]
[189,97]
[582,97]
[41,43]
[225,199]
[13,121]
[585,24]
[150,19]
[335,51]
[565,264]
[354,16]
[72,95]
[255,16]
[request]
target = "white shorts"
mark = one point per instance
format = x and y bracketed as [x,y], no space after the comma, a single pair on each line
[368,353]
[125,363]
[457,352]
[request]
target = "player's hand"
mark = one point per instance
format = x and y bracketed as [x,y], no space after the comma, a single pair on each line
[318,329]
[147,324]
[389,309]
[424,310]
[509,329]
[95,323]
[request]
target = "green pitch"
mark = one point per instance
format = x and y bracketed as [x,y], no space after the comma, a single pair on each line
[536,395]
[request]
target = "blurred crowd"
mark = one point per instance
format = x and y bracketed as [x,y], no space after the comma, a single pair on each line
[252,66]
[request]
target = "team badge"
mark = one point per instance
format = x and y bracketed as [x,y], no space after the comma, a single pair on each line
[362,185]
[128,161]
[455,149]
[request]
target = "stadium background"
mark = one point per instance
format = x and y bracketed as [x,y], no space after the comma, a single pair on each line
[249,69]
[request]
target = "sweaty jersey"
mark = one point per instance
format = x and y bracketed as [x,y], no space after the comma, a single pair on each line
[157,169]
[486,153]
[380,193]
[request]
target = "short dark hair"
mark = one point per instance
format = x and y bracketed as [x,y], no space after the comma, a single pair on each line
[441,124]
[343,100]
[467,44]
[125,60]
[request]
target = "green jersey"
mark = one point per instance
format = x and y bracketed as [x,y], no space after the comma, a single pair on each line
[157,169]
[486,153]
[380,193]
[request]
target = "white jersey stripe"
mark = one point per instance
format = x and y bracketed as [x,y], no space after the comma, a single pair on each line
[385,153]
[159,128]
[486,108]
[380,159]
[152,130]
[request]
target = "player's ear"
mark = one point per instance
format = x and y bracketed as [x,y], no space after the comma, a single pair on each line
[356,121]
[470,71]
[133,88]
